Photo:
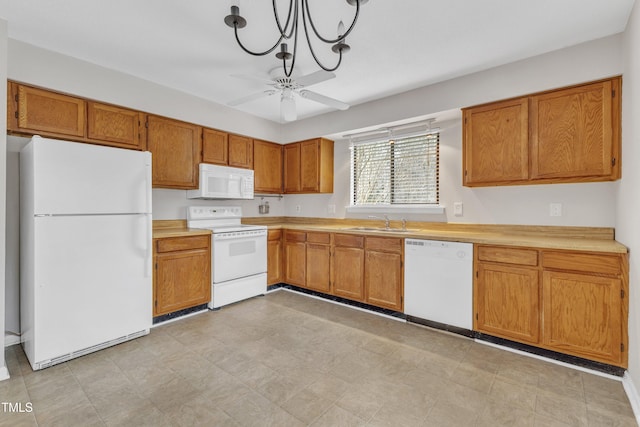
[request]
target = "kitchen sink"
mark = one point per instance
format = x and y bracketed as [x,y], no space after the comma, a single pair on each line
[387,230]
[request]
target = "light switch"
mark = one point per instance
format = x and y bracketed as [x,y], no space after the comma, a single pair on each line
[457,209]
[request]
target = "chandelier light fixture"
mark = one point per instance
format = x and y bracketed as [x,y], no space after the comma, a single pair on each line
[297,8]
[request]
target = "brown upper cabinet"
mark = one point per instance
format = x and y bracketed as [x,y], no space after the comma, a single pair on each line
[38,111]
[175,148]
[565,135]
[34,111]
[308,166]
[221,148]
[120,127]
[240,151]
[267,167]
[215,147]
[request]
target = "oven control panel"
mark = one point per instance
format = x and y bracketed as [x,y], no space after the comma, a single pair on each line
[213,212]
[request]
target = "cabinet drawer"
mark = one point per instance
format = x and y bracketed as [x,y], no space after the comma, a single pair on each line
[348,241]
[508,255]
[274,234]
[182,243]
[323,238]
[295,236]
[384,244]
[592,263]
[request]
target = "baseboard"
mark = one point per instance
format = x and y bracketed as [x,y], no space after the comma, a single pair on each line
[632,394]
[11,339]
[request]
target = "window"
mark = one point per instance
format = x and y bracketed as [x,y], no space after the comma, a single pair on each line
[395,171]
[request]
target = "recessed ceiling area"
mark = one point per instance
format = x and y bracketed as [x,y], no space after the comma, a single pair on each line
[395,46]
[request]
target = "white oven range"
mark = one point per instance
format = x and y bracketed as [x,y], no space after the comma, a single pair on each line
[238,253]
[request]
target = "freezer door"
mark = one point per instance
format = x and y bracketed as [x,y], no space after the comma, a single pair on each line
[92,281]
[77,178]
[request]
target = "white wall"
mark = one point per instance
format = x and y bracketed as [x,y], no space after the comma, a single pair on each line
[628,202]
[40,67]
[4,373]
[582,204]
[172,204]
[12,262]
[584,62]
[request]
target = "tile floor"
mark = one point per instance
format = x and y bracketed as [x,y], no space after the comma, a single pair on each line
[289,360]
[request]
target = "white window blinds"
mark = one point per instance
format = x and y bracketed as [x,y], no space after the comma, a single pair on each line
[395,171]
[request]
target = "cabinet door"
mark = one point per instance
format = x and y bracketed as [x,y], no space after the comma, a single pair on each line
[120,127]
[292,168]
[581,315]
[175,148]
[215,147]
[571,132]
[496,143]
[295,258]
[274,257]
[383,279]
[507,302]
[240,152]
[318,268]
[267,166]
[182,280]
[310,166]
[49,113]
[348,271]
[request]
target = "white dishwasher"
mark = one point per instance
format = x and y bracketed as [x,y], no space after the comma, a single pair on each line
[438,281]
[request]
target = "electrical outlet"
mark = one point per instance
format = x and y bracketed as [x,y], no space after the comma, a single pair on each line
[555,209]
[331,209]
[298,208]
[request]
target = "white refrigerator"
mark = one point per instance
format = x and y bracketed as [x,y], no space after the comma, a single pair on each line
[85,248]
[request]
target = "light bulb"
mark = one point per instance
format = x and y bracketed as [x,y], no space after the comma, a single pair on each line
[340,29]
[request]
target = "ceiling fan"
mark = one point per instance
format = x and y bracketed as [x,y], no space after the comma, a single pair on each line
[287,87]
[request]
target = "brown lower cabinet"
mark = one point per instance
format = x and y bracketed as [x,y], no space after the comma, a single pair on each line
[318,262]
[182,276]
[274,257]
[360,268]
[383,272]
[567,301]
[348,266]
[295,258]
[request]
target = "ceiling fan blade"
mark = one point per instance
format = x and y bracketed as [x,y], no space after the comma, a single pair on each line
[250,98]
[288,111]
[253,78]
[313,78]
[331,102]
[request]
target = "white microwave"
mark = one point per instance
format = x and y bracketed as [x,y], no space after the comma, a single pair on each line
[223,182]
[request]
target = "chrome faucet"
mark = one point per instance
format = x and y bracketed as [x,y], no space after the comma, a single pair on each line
[387,224]
[404,224]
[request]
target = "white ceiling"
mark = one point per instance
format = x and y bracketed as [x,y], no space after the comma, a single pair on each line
[396,45]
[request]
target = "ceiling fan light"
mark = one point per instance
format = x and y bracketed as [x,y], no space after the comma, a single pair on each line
[287,106]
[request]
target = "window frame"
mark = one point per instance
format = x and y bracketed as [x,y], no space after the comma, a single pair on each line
[428,208]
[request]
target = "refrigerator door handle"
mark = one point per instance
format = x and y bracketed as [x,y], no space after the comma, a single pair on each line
[149,183]
[149,251]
